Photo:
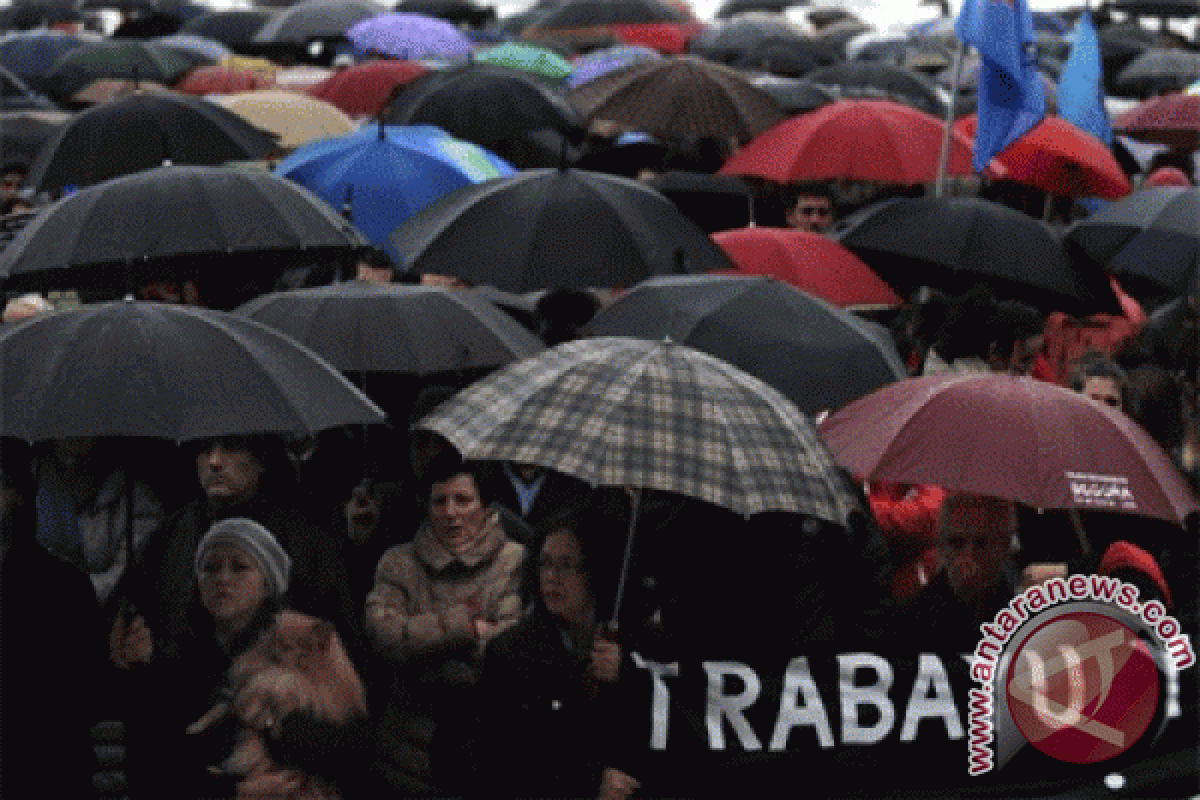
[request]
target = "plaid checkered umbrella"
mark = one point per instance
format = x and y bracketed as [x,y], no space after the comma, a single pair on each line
[616,411]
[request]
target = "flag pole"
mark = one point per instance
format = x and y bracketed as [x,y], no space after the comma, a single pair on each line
[939,187]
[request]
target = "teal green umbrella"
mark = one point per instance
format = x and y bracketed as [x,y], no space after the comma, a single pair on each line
[528,58]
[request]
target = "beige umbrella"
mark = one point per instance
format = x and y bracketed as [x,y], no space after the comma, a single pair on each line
[297,118]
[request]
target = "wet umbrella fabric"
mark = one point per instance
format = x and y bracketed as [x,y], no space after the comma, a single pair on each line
[219,79]
[591,13]
[885,81]
[713,202]
[31,55]
[550,228]
[864,140]
[809,261]
[680,96]
[315,19]
[749,39]
[409,37]
[527,58]
[1017,438]
[1150,239]
[951,243]
[483,103]
[142,131]
[23,133]
[163,371]
[1172,119]
[793,95]
[294,117]
[1157,71]
[409,329]
[102,233]
[379,178]
[616,411]
[365,89]
[598,63]
[817,355]
[233,27]
[130,60]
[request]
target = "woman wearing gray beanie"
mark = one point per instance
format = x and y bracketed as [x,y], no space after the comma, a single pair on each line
[240,544]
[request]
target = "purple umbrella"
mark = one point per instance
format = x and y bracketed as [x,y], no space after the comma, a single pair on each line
[408,36]
[610,59]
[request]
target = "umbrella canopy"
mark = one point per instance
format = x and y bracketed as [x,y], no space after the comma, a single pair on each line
[883,81]
[31,55]
[219,79]
[364,89]
[713,202]
[591,13]
[817,355]
[1059,158]
[381,176]
[409,37]
[460,12]
[315,19]
[597,63]
[864,140]
[23,133]
[1158,8]
[1017,438]
[657,415]
[104,233]
[126,59]
[140,131]
[15,95]
[410,329]
[1172,119]
[548,228]
[483,103]
[762,41]
[680,96]
[808,261]
[527,58]
[166,371]
[204,47]
[1150,239]
[793,95]
[1157,71]
[232,27]
[295,118]
[954,242]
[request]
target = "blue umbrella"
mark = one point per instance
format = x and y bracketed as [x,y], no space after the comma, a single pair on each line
[30,55]
[193,43]
[382,175]
[409,36]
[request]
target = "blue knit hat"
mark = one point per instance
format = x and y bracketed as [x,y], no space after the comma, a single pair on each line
[256,540]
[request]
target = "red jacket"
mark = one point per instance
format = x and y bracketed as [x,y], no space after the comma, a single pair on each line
[1067,338]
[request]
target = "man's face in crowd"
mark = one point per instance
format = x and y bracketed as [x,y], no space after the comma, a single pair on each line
[811,213]
[229,472]
[976,543]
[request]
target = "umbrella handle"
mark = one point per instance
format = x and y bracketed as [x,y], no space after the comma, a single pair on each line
[636,495]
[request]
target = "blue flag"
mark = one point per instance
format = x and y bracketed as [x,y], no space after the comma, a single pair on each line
[1011,100]
[1081,87]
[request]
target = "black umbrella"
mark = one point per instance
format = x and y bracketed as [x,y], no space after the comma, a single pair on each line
[168,372]
[1157,71]
[31,17]
[123,58]
[550,228]
[795,96]
[460,12]
[819,356]
[873,79]
[315,19]
[144,130]
[713,202]
[233,28]
[145,226]
[762,41]
[22,134]
[731,8]
[484,104]
[952,243]
[15,95]
[410,329]
[590,13]
[1158,8]
[30,55]
[1150,239]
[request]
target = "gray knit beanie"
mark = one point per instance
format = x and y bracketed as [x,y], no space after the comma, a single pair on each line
[256,540]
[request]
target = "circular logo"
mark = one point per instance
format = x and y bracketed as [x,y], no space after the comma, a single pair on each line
[1082,687]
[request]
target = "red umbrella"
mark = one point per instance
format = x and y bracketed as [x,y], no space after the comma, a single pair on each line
[1170,119]
[864,140]
[219,79]
[363,90]
[808,261]
[669,38]
[1011,437]
[1059,158]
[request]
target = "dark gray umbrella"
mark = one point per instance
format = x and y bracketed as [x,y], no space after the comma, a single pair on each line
[410,329]
[129,228]
[315,19]
[1157,71]
[167,372]
[819,356]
